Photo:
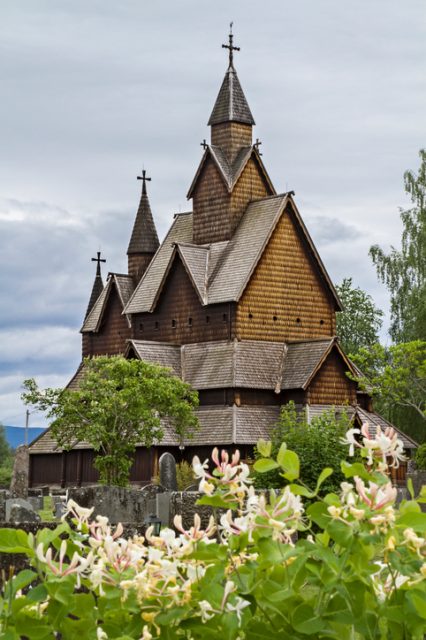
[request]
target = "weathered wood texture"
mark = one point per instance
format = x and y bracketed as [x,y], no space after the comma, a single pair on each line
[230,137]
[137,264]
[216,211]
[331,385]
[179,316]
[113,333]
[286,299]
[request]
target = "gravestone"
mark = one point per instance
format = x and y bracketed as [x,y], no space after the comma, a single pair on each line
[11,503]
[36,502]
[4,495]
[149,494]
[167,465]
[118,504]
[19,482]
[19,513]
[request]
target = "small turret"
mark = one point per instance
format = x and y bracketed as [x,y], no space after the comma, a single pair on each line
[144,239]
[98,285]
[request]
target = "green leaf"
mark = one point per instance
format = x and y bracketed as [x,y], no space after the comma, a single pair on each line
[217,501]
[299,490]
[325,473]
[416,521]
[15,541]
[23,579]
[264,465]
[355,469]
[264,447]
[306,621]
[290,465]
[410,488]
[340,532]
[281,452]
[319,514]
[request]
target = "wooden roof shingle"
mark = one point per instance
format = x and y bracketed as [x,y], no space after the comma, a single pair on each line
[231,104]
[125,287]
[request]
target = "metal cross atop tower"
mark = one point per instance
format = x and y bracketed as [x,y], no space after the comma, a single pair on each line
[231,47]
[98,259]
[144,180]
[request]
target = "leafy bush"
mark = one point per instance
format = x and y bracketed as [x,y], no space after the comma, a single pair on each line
[420,458]
[361,576]
[6,460]
[184,475]
[317,444]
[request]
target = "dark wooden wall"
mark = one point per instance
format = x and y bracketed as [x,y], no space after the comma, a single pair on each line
[286,299]
[113,333]
[180,303]
[331,384]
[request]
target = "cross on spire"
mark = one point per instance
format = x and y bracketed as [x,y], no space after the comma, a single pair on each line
[144,180]
[257,145]
[231,47]
[204,144]
[98,259]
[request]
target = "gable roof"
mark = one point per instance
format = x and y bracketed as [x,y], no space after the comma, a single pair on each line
[231,104]
[147,291]
[234,260]
[124,285]
[230,173]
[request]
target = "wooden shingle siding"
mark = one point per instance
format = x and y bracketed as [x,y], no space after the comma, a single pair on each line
[179,316]
[331,385]
[285,299]
[113,333]
[230,137]
[250,186]
[137,264]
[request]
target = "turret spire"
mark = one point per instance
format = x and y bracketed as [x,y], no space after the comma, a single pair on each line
[98,284]
[144,239]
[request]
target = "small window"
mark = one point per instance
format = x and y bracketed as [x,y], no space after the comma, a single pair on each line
[157,325]
[250,315]
[321,322]
[225,317]
[141,326]
[298,320]
[173,324]
[275,318]
[189,322]
[207,319]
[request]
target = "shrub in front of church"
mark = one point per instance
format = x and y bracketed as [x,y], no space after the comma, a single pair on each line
[258,571]
[119,404]
[318,444]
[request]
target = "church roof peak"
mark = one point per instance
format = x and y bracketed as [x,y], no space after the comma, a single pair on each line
[144,238]
[231,104]
[98,284]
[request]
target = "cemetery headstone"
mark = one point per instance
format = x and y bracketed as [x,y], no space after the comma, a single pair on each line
[167,465]
[19,482]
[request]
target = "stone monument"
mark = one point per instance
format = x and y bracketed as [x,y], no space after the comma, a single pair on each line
[167,465]
[19,482]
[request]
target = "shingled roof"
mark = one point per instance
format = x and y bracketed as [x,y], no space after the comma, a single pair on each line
[231,104]
[125,287]
[230,173]
[144,238]
[234,260]
[246,363]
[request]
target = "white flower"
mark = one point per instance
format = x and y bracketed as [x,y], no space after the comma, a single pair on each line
[238,607]
[100,634]
[350,440]
[207,611]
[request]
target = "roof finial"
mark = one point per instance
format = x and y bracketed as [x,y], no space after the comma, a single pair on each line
[98,259]
[144,180]
[231,47]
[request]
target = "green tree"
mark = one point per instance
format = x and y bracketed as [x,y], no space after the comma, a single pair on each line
[404,271]
[359,323]
[317,444]
[396,375]
[119,404]
[6,459]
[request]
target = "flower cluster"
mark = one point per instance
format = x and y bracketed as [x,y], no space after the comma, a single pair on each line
[384,447]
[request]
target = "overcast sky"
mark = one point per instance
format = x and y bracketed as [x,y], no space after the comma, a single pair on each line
[91,90]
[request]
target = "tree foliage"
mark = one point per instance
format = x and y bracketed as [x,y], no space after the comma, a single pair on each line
[6,459]
[316,443]
[359,323]
[404,271]
[119,404]
[396,375]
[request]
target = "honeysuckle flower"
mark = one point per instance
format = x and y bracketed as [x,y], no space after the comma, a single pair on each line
[414,542]
[374,496]
[146,635]
[206,487]
[200,468]
[81,514]
[206,609]
[237,607]
[100,634]
[350,440]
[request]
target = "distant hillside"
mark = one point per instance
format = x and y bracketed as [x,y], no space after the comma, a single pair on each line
[16,435]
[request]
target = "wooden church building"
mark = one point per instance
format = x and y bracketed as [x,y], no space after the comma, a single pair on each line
[236,301]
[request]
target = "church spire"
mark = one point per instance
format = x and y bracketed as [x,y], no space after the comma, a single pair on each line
[98,284]
[231,104]
[144,239]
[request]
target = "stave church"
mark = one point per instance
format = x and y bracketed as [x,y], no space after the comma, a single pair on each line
[235,300]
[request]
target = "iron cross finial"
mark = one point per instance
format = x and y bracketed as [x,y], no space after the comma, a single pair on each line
[257,145]
[231,47]
[144,180]
[98,259]
[204,144]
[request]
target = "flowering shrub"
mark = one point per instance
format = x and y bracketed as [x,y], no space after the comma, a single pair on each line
[260,571]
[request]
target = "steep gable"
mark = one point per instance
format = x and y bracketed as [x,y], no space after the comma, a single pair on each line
[331,385]
[288,296]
